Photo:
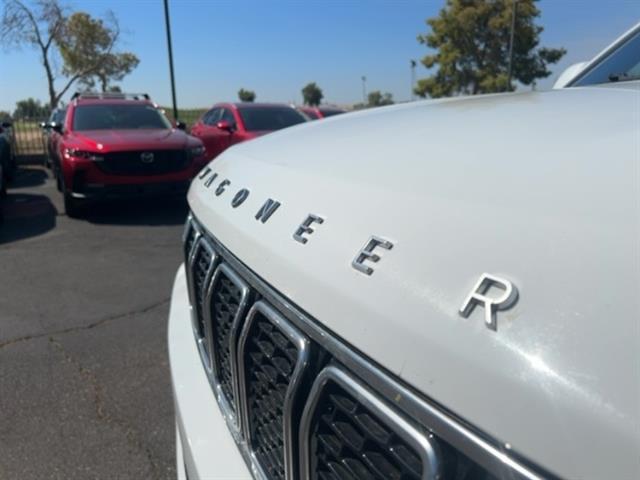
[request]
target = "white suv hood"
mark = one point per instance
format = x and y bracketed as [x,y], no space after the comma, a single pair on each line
[539,188]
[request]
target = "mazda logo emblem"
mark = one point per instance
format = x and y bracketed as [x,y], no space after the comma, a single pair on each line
[146,157]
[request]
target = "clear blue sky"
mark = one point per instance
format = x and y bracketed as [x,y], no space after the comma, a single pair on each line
[276,47]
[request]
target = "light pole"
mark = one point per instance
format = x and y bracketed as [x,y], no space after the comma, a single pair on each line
[173,80]
[513,28]
[413,79]
[364,90]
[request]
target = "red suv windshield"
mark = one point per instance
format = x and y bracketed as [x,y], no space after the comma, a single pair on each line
[118,117]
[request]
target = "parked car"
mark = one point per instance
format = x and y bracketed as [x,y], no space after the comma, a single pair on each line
[121,145]
[226,124]
[7,152]
[323,111]
[3,181]
[382,296]
[3,191]
[52,135]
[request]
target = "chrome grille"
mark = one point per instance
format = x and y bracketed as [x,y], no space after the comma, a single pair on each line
[273,353]
[224,306]
[350,440]
[189,239]
[227,298]
[302,404]
[202,263]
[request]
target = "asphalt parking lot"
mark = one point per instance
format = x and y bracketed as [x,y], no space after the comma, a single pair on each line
[84,376]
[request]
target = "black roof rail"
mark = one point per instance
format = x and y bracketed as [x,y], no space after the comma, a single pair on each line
[111,96]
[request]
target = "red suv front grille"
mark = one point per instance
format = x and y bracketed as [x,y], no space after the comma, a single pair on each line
[144,162]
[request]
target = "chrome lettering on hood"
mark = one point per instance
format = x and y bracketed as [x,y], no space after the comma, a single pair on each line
[369,253]
[478,296]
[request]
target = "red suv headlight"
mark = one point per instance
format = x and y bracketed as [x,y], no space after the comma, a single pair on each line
[196,152]
[77,153]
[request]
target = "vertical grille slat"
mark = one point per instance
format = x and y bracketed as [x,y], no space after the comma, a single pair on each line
[271,355]
[269,369]
[346,433]
[225,304]
[201,267]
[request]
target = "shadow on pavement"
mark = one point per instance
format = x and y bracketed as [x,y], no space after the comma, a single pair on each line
[25,216]
[29,177]
[146,211]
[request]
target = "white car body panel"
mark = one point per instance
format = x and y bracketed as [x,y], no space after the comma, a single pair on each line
[538,188]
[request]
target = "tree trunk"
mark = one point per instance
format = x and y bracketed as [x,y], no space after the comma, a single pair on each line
[53,98]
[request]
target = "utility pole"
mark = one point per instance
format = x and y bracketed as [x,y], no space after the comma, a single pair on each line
[513,28]
[364,90]
[173,80]
[413,79]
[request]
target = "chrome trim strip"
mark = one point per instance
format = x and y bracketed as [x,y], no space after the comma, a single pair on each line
[190,224]
[202,341]
[303,346]
[419,441]
[232,418]
[496,457]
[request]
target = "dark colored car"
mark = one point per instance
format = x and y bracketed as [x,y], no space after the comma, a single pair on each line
[3,184]
[121,145]
[3,191]
[316,113]
[7,157]
[52,135]
[229,123]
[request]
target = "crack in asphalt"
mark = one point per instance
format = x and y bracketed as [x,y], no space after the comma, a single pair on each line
[95,324]
[131,434]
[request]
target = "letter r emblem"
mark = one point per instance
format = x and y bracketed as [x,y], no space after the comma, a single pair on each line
[479,296]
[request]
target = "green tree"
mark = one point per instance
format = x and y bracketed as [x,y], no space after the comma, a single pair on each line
[114,67]
[86,47]
[85,44]
[312,94]
[472,38]
[379,99]
[5,116]
[246,95]
[30,108]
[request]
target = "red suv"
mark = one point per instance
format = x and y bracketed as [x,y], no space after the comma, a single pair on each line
[115,145]
[229,123]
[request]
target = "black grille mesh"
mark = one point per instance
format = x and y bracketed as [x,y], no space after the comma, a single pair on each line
[348,441]
[200,268]
[224,307]
[270,359]
[131,163]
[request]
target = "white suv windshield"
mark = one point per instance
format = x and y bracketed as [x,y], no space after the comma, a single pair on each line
[623,64]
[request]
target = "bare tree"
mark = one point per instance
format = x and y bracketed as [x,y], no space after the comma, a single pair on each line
[39,28]
[84,43]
